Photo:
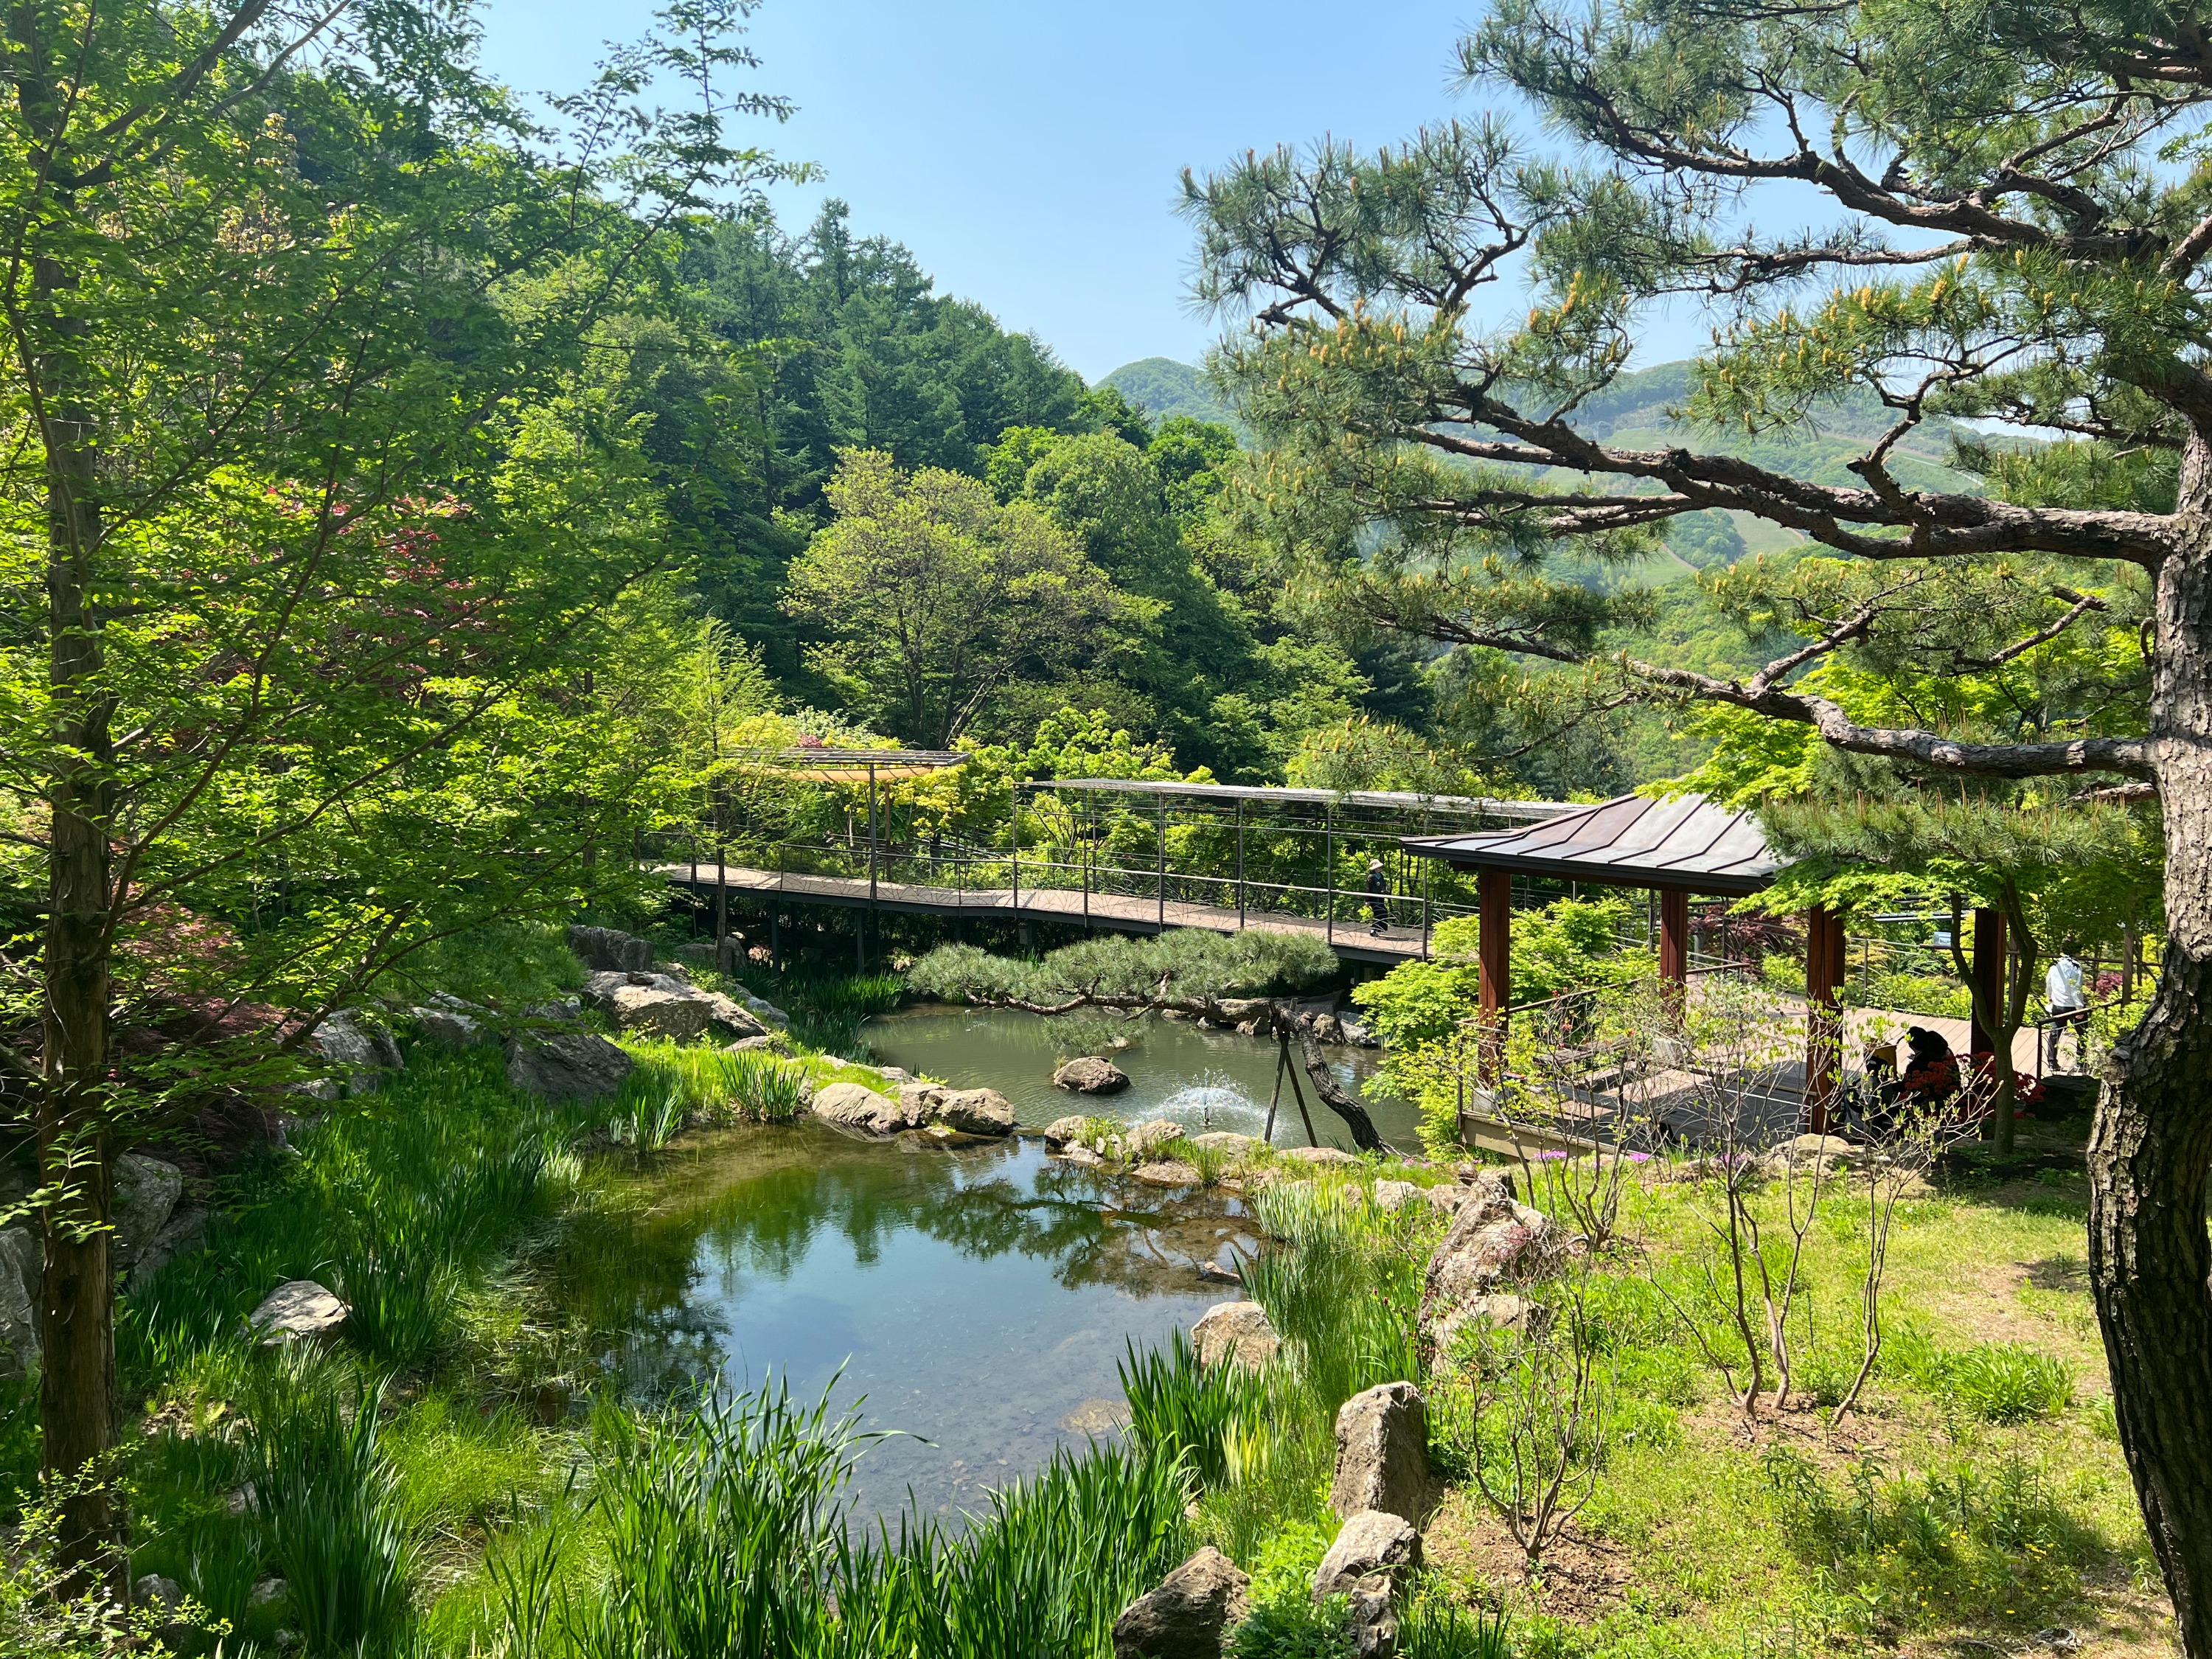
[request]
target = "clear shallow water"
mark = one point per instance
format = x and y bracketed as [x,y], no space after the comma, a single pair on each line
[972,1301]
[1203,1079]
[977,1298]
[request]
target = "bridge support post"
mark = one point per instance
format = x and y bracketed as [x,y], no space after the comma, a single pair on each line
[1240,864]
[1329,845]
[1161,877]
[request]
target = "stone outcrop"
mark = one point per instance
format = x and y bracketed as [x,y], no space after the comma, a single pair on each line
[22,1261]
[969,1111]
[146,1193]
[1236,1332]
[364,1051]
[179,1235]
[1065,1131]
[1494,1242]
[446,1021]
[1141,1141]
[1227,1142]
[1090,1075]
[1372,1547]
[567,1066]
[664,1005]
[1382,1453]
[298,1311]
[851,1106]
[1188,1615]
[1168,1172]
[610,950]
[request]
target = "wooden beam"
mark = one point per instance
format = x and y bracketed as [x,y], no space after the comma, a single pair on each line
[1493,892]
[1824,1020]
[1674,948]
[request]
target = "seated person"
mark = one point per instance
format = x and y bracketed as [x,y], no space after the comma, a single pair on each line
[1931,1070]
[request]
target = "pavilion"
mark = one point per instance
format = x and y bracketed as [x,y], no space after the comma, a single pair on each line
[1676,848]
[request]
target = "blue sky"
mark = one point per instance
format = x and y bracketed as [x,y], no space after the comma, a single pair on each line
[1028,152]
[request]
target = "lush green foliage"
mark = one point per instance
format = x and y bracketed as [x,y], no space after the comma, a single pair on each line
[1180,965]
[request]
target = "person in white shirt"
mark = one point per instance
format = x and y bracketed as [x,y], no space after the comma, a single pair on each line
[2068,1003]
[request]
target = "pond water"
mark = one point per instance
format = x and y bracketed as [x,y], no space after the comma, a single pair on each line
[972,1301]
[1204,1079]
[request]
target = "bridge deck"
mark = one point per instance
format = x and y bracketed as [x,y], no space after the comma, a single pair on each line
[1118,913]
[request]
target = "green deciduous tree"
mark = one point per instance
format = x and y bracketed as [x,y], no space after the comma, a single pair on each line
[317,527]
[940,595]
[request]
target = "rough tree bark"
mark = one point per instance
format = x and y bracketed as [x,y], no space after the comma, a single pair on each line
[77,1388]
[1300,1029]
[2151,1149]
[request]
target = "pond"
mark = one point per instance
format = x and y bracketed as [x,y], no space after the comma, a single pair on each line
[1202,1078]
[971,1302]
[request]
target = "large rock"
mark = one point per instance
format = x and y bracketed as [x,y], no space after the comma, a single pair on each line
[851,1106]
[1370,1550]
[364,1051]
[1227,1142]
[1187,1617]
[567,1066]
[1382,1453]
[446,1021]
[1238,1332]
[298,1311]
[21,1264]
[974,1111]
[1168,1172]
[1142,1140]
[730,1021]
[608,948]
[146,1192]
[1065,1131]
[1494,1241]
[1090,1075]
[183,1232]
[642,1010]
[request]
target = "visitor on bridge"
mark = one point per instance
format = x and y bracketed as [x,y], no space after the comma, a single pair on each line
[2070,1005]
[1378,897]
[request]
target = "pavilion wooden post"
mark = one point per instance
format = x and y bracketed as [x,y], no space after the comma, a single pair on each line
[1675,950]
[1493,892]
[1824,1018]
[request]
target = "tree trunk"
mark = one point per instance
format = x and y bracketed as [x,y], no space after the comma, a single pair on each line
[1300,1029]
[77,1327]
[2151,1150]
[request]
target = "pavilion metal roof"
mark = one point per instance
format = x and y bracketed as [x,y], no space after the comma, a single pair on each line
[1631,841]
[1482,806]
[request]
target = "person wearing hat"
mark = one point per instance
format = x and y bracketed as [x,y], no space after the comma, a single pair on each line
[1378,901]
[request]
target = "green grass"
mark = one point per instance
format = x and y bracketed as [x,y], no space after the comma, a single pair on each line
[827,1010]
[1182,1411]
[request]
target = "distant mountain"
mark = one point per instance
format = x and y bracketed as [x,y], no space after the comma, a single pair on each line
[1162,387]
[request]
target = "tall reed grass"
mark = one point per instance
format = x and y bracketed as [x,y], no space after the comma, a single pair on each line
[710,1085]
[727,1530]
[1342,1285]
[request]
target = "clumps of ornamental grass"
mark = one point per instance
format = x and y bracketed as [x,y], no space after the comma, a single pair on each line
[1342,1285]
[724,1526]
[1199,1414]
[710,1085]
[1996,1381]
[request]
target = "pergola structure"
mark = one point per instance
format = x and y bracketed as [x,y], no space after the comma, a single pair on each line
[1675,849]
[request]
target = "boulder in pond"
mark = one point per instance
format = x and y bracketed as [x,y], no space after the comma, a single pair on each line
[1141,1141]
[1188,1615]
[851,1106]
[1065,1131]
[1090,1075]
[298,1311]
[1168,1172]
[1238,1332]
[1371,1549]
[1227,1142]
[1382,1453]
[567,1066]
[606,948]
[973,1111]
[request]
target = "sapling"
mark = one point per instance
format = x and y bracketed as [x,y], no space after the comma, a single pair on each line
[1540,1413]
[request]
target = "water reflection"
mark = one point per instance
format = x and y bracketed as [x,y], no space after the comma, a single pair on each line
[978,1298]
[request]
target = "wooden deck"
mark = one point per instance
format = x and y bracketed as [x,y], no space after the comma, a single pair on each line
[1115,912]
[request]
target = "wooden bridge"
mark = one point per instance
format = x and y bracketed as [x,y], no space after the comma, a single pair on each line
[1073,882]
